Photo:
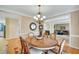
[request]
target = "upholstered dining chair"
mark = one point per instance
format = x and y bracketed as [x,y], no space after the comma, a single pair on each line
[53,36]
[45,34]
[30,35]
[26,50]
[59,48]
[24,46]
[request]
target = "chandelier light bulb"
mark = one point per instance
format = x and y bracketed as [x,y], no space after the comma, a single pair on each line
[41,19]
[35,17]
[38,16]
[44,17]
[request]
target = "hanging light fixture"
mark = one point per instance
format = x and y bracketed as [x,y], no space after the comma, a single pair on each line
[39,16]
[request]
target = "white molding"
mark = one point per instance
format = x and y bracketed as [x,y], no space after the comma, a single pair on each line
[20,26]
[73,47]
[74,35]
[70,31]
[24,33]
[67,12]
[13,12]
[70,42]
[22,14]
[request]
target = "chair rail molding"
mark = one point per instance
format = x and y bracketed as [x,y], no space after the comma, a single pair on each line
[74,42]
[74,36]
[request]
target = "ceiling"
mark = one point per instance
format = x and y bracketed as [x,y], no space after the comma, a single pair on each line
[46,10]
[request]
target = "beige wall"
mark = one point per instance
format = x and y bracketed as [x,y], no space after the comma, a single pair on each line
[74,27]
[12,27]
[75,23]
[25,25]
[19,26]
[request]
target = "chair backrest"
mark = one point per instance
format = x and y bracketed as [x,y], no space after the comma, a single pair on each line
[45,34]
[24,46]
[30,35]
[61,46]
[53,36]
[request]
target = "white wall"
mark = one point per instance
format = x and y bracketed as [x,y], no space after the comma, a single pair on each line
[20,26]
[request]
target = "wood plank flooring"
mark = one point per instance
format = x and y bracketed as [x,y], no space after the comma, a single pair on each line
[70,50]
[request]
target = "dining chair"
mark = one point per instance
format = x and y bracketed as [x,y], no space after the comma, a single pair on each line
[59,48]
[45,34]
[53,36]
[24,46]
[31,35]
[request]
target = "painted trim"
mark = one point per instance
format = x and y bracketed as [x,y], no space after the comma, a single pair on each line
[13,12]
[22,14]
[24,34]
[67,12]
[74,35]
[20,27]
[73,47]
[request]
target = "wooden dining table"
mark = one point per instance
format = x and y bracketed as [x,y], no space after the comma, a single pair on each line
[43,43]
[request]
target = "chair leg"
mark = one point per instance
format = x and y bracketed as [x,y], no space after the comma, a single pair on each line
[45,52]
[30,47]
[53,51]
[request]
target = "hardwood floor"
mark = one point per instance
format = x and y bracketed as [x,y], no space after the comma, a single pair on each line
[70,50]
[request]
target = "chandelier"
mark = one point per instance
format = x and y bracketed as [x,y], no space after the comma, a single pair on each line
[39,16]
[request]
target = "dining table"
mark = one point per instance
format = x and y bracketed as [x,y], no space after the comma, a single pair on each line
[44,43]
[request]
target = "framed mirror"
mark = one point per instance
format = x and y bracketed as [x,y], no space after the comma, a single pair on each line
[33,26]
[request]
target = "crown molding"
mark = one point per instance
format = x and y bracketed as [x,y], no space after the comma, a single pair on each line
[13,12]
[63,13]
[22,14]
